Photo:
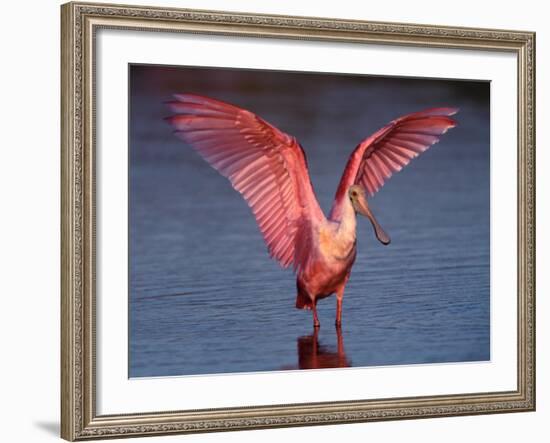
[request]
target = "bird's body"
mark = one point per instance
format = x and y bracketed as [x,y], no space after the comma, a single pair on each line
[332,252]
[269,169]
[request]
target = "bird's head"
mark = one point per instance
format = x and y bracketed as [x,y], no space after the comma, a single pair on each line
[358,197]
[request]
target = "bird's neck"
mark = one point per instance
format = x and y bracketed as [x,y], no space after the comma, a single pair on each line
[348,221]
[337,210]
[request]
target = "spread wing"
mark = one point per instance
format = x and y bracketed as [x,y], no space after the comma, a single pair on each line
[391,148]
[267,166]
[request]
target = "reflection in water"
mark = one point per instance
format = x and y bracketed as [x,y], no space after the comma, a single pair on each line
[313,355]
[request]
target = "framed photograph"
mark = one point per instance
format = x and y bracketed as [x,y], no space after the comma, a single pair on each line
[283,221]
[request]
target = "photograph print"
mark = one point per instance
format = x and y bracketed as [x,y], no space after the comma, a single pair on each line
[283,221]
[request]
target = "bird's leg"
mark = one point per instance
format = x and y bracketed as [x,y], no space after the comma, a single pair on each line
[339,299]
[316,323]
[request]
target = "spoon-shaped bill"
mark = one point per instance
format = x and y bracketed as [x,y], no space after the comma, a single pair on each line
[363,208]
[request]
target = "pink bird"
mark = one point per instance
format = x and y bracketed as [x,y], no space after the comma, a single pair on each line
[269,169]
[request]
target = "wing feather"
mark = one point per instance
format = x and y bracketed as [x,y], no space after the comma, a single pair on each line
[391,148]
[265,165]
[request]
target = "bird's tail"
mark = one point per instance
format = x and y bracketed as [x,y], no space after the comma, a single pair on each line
[303,301]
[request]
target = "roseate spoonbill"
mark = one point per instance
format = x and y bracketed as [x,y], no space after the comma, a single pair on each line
[269,169]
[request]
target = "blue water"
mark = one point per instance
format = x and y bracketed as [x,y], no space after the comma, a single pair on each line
[204,296]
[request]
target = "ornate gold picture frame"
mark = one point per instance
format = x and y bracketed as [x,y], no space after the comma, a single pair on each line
[80,23]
